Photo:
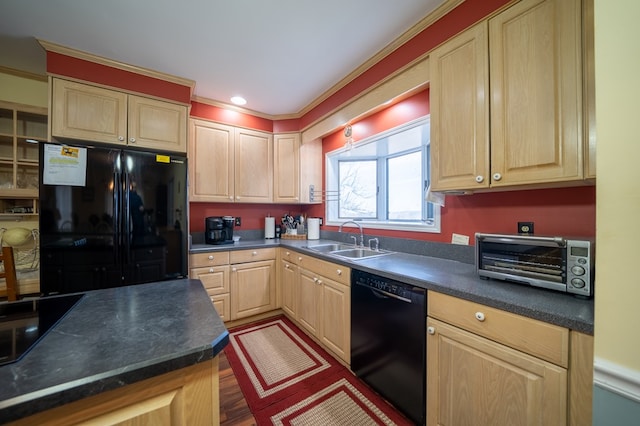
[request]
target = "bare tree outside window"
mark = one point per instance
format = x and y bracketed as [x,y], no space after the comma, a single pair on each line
[358,187]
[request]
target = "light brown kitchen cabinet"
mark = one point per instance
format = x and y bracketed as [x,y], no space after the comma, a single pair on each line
[288,282]
[85,112]
[211,162]
[286,178]
[253,177]
[486,366]
[213,270]
[297,167]
[324,304]
[229,164]
[460,111]
[517,121]
[253,282]
[20,125]
[189,396]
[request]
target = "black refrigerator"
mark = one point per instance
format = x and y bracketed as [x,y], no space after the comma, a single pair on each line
[110,217]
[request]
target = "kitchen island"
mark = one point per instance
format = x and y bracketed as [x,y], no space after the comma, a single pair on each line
[154,344]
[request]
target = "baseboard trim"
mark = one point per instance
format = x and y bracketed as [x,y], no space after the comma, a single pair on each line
[617,379]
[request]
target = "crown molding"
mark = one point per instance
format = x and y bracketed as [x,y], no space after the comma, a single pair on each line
[68,51]
[236,108]
[23,74]
[438,13]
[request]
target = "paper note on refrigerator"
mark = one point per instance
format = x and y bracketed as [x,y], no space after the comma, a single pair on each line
[64,165]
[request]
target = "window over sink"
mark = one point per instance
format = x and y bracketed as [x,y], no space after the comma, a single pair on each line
[382,181]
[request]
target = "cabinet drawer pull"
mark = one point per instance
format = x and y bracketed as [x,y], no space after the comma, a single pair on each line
[211,270]
[431,330]
[288,254]
[480,316]
[254,253]
[234,269]
[300,258]
[286,266]
[339,272]
[210,257]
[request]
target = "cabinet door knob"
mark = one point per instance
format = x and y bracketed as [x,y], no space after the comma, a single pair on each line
[480,316]
[431,330]
[120,138]
[286,266]
[479,179]
[497,176]
[315,279]
[132,140]
[299,259]
[211,270]
[230,197]
[339,271]
[234,269]
[210,257]
[287,254]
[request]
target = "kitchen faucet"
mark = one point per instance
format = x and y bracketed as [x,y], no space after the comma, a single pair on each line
[358,225]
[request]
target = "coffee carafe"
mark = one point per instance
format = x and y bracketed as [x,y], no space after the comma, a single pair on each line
[219,230]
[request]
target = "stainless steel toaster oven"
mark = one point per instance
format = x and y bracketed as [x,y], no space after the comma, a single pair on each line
[554,263]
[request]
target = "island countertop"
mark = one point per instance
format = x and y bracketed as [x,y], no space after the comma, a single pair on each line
[112,338]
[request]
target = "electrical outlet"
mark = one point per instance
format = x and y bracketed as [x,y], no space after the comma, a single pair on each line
[320,221]
[238,221]
[525,227]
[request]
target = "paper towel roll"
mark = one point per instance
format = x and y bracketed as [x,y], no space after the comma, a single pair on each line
[269,227]
[313,228]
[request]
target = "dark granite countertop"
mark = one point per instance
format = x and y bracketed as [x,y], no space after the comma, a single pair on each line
[112,338]
[453,278]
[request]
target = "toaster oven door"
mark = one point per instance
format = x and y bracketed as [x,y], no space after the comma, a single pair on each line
[539,261]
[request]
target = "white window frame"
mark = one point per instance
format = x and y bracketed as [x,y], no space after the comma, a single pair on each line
[332,186]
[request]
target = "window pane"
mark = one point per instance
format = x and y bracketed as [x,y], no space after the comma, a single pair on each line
[358,189]
[405,187]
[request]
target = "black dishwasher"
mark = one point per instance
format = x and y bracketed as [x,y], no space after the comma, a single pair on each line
[388,340]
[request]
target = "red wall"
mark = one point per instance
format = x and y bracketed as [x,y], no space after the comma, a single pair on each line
[563,211]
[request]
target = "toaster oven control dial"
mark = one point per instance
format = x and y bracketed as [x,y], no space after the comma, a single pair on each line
[577,282]
[577,270]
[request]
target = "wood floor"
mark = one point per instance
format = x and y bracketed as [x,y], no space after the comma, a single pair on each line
[233,407]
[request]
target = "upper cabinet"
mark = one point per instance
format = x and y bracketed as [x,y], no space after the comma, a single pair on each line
[297,167]
[506,100]
[86,112]
[286,178]
[229,164]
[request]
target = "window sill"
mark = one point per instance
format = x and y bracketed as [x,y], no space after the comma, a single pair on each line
[394,226]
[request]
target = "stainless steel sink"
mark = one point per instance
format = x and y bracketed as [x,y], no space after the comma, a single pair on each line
[359,253]
[328,248]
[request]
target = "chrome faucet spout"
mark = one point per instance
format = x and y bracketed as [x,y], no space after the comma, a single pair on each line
[359,227]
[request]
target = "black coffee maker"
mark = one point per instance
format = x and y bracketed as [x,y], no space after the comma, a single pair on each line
[219,230]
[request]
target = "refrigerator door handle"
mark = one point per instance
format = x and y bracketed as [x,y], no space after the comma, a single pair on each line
[127,232]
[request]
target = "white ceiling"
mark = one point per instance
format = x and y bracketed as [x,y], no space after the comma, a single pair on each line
[281,55]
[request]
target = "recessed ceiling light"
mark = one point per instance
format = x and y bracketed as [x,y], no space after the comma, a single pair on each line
[238,100]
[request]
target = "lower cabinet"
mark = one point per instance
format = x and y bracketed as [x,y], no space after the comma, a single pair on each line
[253,288]
[213,270]
[240,283]
[486,366]
[189,396]
[288,280]
[324,304]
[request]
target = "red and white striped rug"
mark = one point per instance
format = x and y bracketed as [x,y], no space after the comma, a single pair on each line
[287,379]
